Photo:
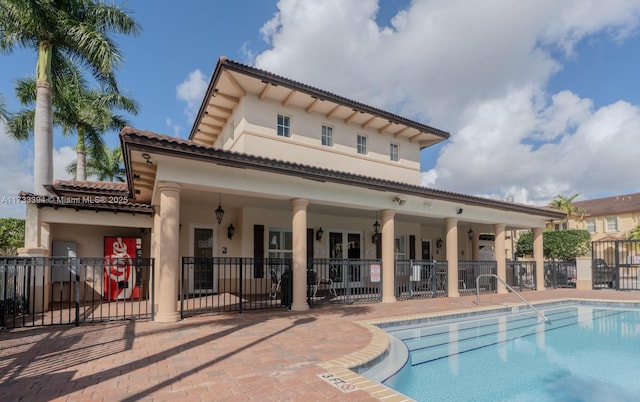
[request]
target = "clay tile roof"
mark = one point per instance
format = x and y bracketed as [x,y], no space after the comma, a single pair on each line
[132,138]
[610,205]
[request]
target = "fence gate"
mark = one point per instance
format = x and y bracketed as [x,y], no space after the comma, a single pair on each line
[38,291]
[615,264]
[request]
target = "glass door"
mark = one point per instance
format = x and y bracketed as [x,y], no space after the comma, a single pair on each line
[203,277]
[346,245]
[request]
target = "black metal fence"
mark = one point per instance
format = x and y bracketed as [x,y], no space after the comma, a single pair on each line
[37,291]
[560,274]
[226,284]
[521,274]
[344,281]
[468,272]
[419,279]
[615,264]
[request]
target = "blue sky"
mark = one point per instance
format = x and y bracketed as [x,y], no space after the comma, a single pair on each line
[540,98]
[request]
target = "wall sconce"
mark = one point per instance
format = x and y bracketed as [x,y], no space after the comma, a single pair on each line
[470,234]
[147,158]
[376,232]
[230,231]
[219,211]
[319,234]
[438,245]
[460,211]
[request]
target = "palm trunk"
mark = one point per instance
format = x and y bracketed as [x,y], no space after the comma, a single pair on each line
[81,160]
[43,124]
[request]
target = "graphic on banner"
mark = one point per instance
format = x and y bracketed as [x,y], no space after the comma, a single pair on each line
[121,277]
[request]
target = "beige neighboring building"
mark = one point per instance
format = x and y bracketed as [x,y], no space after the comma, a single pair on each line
[280,160]
[609,218]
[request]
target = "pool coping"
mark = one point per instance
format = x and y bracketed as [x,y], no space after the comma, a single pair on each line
[348,367]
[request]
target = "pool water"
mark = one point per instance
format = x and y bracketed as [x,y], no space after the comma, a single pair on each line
[587,353]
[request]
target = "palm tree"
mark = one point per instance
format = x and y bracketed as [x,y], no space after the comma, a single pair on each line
[565,203]
[4,114]
[107,166]
[79,29]
[86,112]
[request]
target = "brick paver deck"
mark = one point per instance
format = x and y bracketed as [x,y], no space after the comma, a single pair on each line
[262,356]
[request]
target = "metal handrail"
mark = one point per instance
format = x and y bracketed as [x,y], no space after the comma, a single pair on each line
[540,313]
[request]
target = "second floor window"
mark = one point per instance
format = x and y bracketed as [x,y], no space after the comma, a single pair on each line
[611,224]
[327,136]
[284,126]
[394,154]
[590,225]
[362,144]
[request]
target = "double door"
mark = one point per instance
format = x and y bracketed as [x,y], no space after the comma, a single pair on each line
[346,245]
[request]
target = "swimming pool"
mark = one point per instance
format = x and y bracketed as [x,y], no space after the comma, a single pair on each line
[589,352]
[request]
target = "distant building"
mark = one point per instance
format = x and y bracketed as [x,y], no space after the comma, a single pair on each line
[610,218]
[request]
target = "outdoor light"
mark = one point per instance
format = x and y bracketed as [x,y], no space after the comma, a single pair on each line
[470,234]
[219,211]
[439,244]
[376,230]
[147,158]
[460,211]
[319,234]
[230,231]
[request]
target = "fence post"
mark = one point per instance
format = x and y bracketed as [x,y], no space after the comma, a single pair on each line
[76,265]
[241,285]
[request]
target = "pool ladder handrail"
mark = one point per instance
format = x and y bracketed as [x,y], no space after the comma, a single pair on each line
[540,313]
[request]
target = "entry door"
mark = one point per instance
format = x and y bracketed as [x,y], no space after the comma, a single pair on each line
[203,275]
[346,245]
[426,250]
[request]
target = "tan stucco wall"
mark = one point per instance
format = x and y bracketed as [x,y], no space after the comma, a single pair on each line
[304,145]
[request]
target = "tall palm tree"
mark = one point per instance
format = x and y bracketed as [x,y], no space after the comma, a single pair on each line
[4,114]
[106,166]
[79,29]
[76,109]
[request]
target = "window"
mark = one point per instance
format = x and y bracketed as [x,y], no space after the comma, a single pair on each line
[611,224]
[590,225]
[362,144]
[280,243]
[393,152]
[327,136]
[560,226]
[284,126]
[399,248]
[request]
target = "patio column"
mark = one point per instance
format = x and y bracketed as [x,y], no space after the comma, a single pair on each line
[168,264]
[388,260]
[538,256]
[451,233]
[501,257]
[299,234]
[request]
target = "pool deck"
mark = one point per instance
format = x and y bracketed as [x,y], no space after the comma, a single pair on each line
[261,355]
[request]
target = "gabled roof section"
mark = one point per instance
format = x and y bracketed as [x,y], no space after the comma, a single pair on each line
[614,205]
[135,142]
[232,80]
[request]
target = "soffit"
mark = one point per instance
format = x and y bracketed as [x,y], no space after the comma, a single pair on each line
[231,81]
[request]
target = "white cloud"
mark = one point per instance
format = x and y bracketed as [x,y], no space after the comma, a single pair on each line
[192,91]
[16,174]
[174,127]
[479,70]
[62,157]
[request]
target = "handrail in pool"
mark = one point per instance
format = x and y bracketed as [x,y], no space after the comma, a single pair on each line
[540,313]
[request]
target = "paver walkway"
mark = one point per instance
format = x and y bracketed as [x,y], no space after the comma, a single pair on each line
[262,356]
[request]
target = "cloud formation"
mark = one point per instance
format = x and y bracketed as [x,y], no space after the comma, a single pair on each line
[480,70]
[192,91]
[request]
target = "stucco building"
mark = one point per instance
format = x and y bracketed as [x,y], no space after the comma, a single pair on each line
[277,168]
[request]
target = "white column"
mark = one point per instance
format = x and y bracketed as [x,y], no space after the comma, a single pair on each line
[538,256]
[501,258]
[451,236]
[388,260]
[168,263]
[299,234]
